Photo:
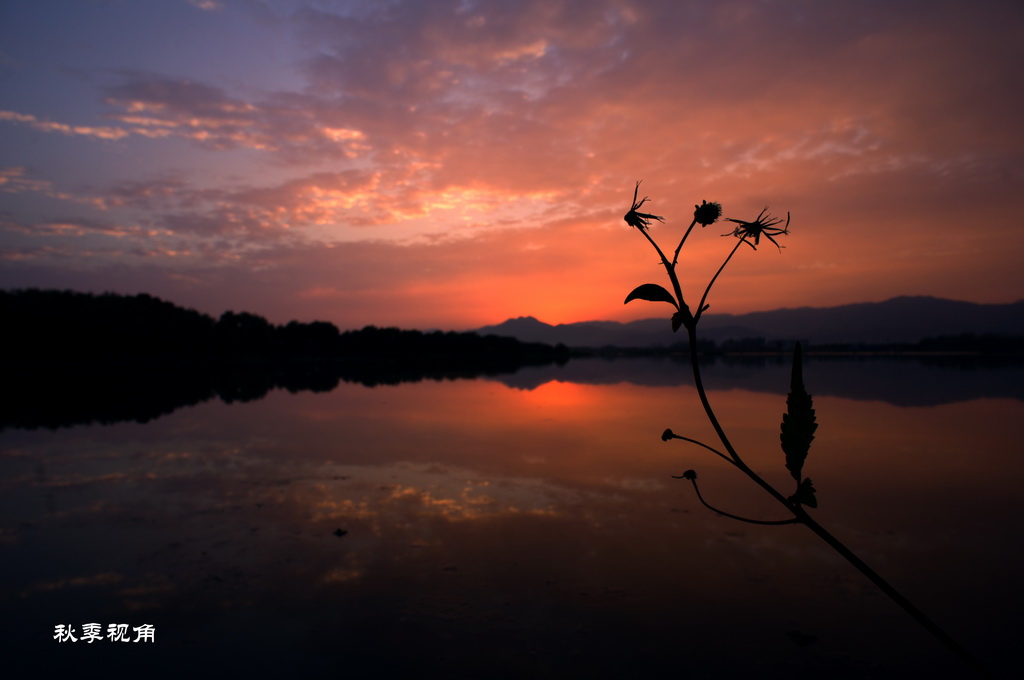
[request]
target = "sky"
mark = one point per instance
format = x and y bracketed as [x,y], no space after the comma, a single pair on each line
[453,163]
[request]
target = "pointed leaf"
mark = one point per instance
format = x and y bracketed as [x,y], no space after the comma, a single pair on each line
[805,494]
[798,423]
[653,293]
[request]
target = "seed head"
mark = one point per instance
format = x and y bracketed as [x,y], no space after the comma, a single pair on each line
[707,213]
[638,219]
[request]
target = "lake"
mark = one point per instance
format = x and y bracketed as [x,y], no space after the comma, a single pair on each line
[525,525]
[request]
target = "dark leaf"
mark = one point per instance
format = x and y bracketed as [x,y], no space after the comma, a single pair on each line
[652,292]
[798,424]
[805,494]
[680,319]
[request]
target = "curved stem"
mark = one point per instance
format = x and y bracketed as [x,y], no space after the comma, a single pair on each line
[670,268]
[803,518]
[707,505]
[700,443]
[897,597]
[700,307]
[675,258]
[799,513]
[698,381]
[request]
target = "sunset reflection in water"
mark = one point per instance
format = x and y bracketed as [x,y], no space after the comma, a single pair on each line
[471,528]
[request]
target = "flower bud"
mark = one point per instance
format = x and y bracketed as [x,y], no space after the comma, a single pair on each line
[707,213]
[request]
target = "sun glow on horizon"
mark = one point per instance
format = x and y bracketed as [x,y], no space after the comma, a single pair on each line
[481,171]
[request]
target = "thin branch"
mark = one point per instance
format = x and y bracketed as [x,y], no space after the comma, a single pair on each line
[803,518]
[675,258]
[896,596]
[669,268]
[700,307]
[693,480]
[669,434]
[757,228]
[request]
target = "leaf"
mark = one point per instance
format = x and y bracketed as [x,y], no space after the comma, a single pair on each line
[678,319]
[805,494]
[653,293]
[798,424]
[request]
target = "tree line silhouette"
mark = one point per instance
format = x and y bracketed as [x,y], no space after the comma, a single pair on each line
[78,357]
[69,326]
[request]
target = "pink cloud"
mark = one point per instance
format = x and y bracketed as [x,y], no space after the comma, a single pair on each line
[449,163]
[63,128]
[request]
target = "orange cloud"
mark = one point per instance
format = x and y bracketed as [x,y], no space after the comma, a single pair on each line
[442,165]
[50,126]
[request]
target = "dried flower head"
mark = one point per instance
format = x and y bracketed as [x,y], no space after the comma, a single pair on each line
[638,219]
[764,225]
[707,213]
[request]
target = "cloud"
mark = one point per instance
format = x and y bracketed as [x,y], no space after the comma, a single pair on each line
[156,106]
[469,160]
[553,96]
[207,5]
[15,180]
[111,133]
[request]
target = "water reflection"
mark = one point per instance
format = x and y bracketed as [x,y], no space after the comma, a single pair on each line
[904,380]
[143,393]
[493,531]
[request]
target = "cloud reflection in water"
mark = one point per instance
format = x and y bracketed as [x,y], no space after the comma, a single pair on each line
[501,531]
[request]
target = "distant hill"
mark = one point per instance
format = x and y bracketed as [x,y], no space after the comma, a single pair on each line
[899,320]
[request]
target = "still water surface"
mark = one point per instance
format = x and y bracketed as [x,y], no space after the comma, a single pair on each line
[526,526]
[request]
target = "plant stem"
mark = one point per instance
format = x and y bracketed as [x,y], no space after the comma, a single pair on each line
[700,443]
[895,595]
[700,307]
[772,522]
[670,268]
[675,258]
[802,517]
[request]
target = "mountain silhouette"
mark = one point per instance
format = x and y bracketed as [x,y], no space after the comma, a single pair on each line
[898,320]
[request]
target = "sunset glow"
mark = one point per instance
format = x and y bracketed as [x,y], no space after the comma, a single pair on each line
[450,164]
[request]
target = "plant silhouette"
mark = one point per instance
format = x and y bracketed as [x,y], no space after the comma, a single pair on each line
[798,422]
